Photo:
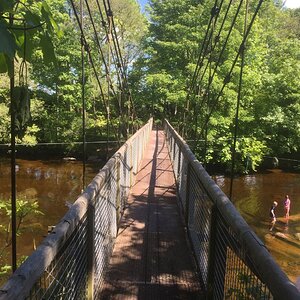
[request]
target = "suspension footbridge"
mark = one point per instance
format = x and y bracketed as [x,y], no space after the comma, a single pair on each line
[152,224]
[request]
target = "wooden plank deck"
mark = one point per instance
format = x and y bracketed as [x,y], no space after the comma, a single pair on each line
[151,258]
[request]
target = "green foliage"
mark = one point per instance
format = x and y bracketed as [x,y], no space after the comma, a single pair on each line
[25,209]
[13,34]
[4,270]
[4,123]
[270,100]
[247,288]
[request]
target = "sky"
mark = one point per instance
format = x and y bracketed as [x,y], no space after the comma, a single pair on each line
[144,2]
[288,3]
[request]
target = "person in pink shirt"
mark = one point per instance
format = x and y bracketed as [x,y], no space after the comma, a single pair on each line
[287,206]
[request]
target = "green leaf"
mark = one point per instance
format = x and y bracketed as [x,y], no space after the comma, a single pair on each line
[3,65]
[20,39]
[9,66]
[46,13]
[51,23]
[8,44]
[6,6]
[48,49]
[32,19]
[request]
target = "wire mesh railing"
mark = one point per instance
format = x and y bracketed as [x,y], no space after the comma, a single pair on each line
[232,262]
[70,262]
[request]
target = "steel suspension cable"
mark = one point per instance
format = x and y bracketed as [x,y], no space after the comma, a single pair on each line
[209,61]
[217,39]
[83,100]
[223,48]
[118,50]
[208,100]
[98,42]
[119,63]
[112,37]
[13,165]
[214,11]
[198,65]
[228,76]
[87,49]
[108,79]
[237,106]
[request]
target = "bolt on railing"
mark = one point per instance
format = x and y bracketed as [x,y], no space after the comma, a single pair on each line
[70,262]
[232,261]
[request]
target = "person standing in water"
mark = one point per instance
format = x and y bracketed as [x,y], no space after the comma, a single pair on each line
[272,215]
[272,211]
[287,206]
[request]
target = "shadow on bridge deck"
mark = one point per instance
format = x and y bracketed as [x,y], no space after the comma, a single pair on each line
[152,258]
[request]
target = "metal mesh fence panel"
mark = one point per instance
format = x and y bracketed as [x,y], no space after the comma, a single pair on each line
[234,274]
[199,220]
[175,160]
[65,277]
[104,232]
[181,183]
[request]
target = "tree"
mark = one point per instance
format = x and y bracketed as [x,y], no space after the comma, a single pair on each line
[269,110]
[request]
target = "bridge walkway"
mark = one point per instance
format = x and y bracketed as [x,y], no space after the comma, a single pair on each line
[151,257]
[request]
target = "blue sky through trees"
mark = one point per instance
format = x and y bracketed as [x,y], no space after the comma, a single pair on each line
[288,3]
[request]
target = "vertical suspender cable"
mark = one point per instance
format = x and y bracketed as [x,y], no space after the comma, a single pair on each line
[109,37]
[229,74]
[83,101]
[214,11]
[208,90]
[224,46]
[13,164]
[242,53]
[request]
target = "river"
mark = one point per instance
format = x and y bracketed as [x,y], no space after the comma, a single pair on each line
[253,196]
[57,184]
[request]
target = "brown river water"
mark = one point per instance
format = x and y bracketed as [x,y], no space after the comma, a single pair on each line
[57,184]
[253,196]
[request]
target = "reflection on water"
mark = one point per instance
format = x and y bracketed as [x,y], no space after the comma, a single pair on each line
[253,196]
[54,184]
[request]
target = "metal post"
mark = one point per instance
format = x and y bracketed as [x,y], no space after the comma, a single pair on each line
[187,198]
[239,98]
[130,168]
[137,153]
[174,151]
[90,249]
[178,166]
[13,164]
[83,100]
[118,192]
[216,258]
